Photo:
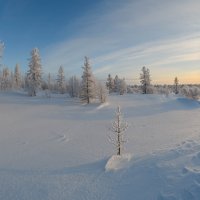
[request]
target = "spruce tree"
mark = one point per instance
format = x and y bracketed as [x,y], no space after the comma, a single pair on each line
[17,77]
[34,74]
[145,80]
[49,82]
[61,80]
[5,79]
[116,84]
[110,83]
[176,85]
[74,86]
[88,83]
[122,86]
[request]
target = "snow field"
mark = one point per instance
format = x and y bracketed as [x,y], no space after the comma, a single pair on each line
[56,149]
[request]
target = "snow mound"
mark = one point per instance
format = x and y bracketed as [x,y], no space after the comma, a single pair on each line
[117,162]
[102,105]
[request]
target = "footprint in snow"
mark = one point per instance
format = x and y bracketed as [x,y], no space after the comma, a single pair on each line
[60,137]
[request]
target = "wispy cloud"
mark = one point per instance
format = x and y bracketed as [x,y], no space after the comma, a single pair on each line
[125,36]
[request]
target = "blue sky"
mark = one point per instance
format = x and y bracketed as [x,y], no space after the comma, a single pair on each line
[119,36]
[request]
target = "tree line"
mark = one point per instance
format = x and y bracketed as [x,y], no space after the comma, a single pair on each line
[87,87]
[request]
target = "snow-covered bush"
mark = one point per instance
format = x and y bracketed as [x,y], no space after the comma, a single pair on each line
[162,90]
[130,89]
[192,92]
[102,92]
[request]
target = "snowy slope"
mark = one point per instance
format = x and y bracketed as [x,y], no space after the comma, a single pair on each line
[56,149]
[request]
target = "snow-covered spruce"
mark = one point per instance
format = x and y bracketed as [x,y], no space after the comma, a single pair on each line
[17,77]
[61,80]
[34,74]
[74,87]
[116,84]
[110,83]
[5,81]
[122,86]
[145,81]
[88,89]
[119,85]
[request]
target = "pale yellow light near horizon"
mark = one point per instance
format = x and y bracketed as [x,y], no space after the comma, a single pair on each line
[167,77]
[184,77]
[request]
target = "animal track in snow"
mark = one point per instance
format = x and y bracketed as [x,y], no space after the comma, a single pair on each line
[59,137]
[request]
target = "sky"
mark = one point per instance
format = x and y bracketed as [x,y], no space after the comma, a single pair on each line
[119,37]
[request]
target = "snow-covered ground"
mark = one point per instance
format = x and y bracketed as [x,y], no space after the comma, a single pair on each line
[57,149]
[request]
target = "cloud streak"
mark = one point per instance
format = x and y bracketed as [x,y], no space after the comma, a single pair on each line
[125,36]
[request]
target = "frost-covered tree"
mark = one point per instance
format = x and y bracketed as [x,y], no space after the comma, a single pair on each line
[116,84]
[122,86]
[163,90]
[102,92]
[74,86]
[17,77]
[88,92]
[49,82]
[145,80]
[192,92]
[176,87]
[12,79]
[61,80]
[119,126]
[110,84]
[48,86]
[34,74]
[5,82]
[23,79]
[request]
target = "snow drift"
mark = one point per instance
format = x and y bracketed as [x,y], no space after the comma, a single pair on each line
[117,162]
